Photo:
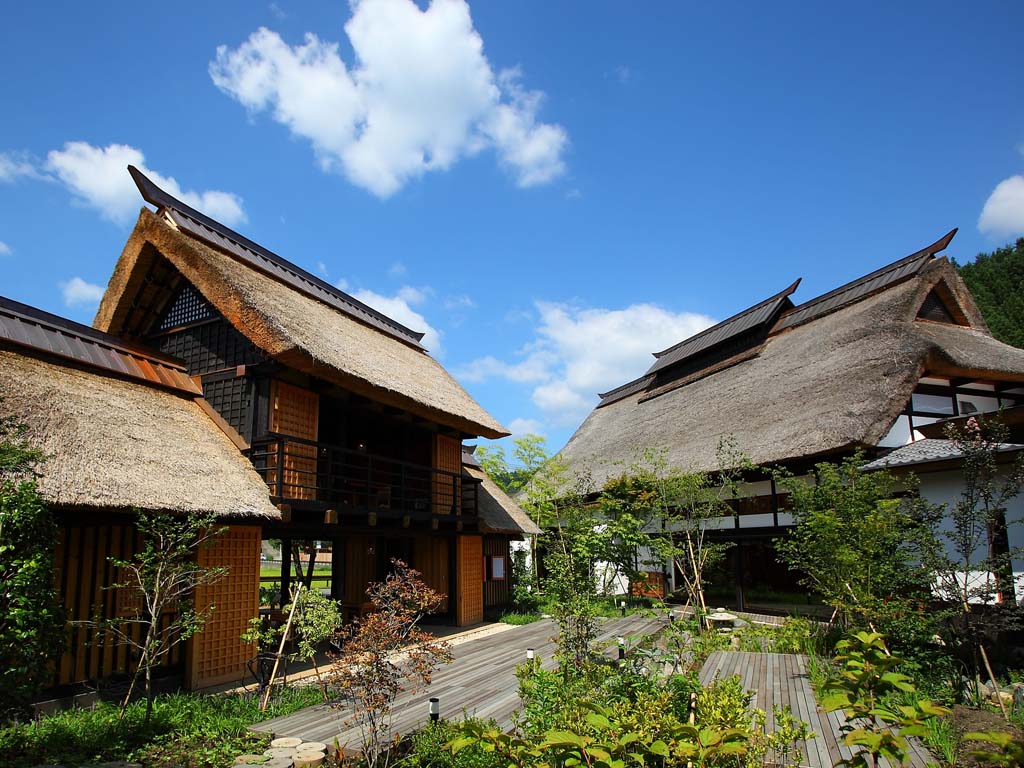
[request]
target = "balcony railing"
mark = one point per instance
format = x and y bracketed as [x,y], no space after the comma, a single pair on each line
[307,473]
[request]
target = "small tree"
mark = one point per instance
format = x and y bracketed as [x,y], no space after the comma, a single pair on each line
[161,581]
[857,544]
[384,653]
[698,499]
[971,558]
[573,539]
[317,619]
[31,622]
[638,512]
[530,454]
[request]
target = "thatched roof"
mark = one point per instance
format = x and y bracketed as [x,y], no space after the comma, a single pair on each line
[498,512]
[119,444]
[278,307]
[828,384]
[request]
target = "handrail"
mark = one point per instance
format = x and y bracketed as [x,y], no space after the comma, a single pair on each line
[300,470]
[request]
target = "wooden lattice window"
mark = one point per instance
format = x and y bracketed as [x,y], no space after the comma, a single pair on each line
[447,457]
[219,654]
[296,412]
[469,608]
[187,308]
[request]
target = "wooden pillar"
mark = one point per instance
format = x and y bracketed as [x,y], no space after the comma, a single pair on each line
[337,569]
[741,602]
[286,571]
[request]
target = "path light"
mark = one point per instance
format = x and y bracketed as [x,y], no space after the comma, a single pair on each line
[622,605]
[530,654]
[434,709]
[622,648]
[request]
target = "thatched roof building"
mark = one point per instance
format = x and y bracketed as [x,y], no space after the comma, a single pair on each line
[123,427]
[499,513]
[292,316]
[794,383]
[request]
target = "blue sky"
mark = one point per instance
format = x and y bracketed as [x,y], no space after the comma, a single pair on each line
[551,190]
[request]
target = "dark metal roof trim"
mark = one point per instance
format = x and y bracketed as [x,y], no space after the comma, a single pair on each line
[624,391]
[863,287]
[30,327]
[216,234]
[757,315]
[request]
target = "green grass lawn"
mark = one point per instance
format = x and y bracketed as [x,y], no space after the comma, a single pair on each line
[318,583]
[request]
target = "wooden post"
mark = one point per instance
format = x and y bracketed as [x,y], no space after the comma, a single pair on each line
[286,571]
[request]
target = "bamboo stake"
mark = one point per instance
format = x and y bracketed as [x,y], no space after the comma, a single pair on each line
[992,677]
[280,650]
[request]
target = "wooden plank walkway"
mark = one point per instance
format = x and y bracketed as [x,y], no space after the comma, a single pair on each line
[777,678]
[481,681]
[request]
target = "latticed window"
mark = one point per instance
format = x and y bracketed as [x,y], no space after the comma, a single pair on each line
[187,308]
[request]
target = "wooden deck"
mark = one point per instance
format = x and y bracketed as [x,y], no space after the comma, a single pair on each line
[777,678]
[481,681]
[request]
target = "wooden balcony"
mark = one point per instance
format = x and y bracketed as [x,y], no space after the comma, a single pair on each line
[312,475]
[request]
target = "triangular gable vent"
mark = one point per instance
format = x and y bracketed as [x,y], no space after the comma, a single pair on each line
[936,309]
[187,308]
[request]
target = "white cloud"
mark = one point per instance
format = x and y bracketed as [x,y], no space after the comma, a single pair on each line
[79,293]
[520,427]
[420,95]
[462,301]
[341,283]
[16,165]
[1003,214]
[398,269]
[277,12]
[5,249]
[400,307]
[577,353]
[98,176]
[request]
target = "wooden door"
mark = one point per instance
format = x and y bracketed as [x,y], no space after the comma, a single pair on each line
[295,412]
[469,606]
[430,558]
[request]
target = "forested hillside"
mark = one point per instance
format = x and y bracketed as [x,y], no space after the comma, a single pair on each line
[997,281]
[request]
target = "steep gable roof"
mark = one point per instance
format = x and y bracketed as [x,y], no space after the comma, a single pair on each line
[829,383]
[122,428]
[292,316]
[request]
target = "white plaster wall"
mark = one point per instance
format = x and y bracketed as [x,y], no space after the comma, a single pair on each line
[945,487]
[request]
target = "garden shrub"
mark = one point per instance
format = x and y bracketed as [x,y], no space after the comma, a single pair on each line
[428,748]
[724,704]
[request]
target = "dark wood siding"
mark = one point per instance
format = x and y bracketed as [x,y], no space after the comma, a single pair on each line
[209,346]
[83,577]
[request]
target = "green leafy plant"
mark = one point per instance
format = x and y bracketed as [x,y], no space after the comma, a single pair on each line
[723,704]
[317,620]
[1008,752]
[187,729]
[864,690]
[31,622]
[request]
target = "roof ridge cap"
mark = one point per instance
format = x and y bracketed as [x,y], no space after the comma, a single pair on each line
[154,195]
[775,297]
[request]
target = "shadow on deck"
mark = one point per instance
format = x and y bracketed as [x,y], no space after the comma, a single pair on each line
[481,681]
